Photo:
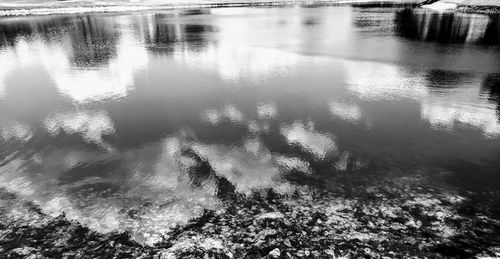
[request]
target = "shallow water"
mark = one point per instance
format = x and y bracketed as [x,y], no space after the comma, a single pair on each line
[141,121]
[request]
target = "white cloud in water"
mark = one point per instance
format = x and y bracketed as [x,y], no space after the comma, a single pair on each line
[235,62]
[157,176]
[257,127]
[242,52]
[379,81]
[349,112]
[318,144]
[7,59]
[12,179]
[233,114]
[82,85]
[212,116]
[229,112]
[239,54]
[249,168]
[445,115]
[92,126]
[464,105]
[111,81]
[2,89]
[11,130]
[173,201]
[293,163]
[266,111]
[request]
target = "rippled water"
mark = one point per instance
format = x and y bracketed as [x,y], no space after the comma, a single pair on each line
[140,121]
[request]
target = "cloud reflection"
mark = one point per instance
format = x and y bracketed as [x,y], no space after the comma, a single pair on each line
[345,111]
[266,111]
[376,81]
[112,79]
[305,136]
[250,168]
[257,127]
[153,188]
[294,164]
[444,115]
[229,112]
[8,63]
[241,52]
[92,126]
[445,97]
[12,130]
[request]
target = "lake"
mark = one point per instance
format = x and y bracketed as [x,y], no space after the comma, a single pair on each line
[139,122]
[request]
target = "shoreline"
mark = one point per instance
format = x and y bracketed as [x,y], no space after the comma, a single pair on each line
[478,9]
[7,10]
[403,217]
[21,11]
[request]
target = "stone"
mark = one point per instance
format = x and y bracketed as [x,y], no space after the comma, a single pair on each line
[275,253]
[270,215]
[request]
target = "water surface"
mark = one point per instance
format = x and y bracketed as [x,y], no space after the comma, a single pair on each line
[141,121]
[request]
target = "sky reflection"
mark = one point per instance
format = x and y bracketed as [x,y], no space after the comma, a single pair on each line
[346,111]
[112,81]
[10,131]
[91,126]
[309,139]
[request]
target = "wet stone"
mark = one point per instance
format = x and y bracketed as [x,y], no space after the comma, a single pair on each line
[275,253]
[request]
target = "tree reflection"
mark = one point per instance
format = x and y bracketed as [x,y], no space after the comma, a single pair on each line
[440,27]
[447,27]
[45,28]
[491,85]
[93,41]
[163,33]
[447,79]
[492,33]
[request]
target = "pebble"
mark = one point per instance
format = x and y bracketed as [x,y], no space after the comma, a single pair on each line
[275,253]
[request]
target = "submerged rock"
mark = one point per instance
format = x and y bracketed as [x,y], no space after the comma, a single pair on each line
[414,222]
[270,215]
[275,253]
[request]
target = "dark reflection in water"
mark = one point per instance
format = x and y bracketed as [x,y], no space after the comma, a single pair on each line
[46,28]
[491,85]
[93,41]
[492,33]
[162,35]
[447,27]
[97,122]
[448,79]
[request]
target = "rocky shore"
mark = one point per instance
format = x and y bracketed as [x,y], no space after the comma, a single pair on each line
[397,218]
